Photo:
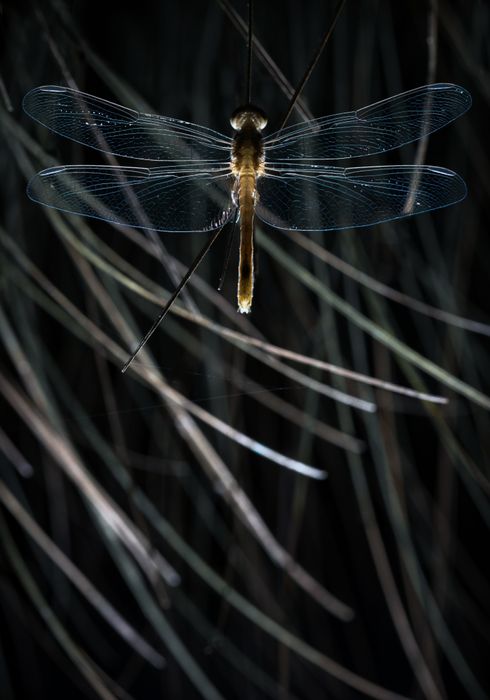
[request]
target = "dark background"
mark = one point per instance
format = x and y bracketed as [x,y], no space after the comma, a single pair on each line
[398,532]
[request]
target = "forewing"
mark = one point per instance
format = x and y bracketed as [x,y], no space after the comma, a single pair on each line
[325,198]
[121,131]
[374,129]
[152,198]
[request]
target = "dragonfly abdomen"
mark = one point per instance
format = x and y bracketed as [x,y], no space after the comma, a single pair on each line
[246,198]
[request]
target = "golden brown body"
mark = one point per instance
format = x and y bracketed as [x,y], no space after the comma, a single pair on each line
[247,162]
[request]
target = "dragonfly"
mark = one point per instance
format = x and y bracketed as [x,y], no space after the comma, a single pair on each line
[196,179]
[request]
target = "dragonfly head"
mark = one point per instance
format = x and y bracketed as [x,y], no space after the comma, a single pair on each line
[249,115]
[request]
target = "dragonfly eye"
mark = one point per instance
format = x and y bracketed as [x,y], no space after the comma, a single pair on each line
[248,115]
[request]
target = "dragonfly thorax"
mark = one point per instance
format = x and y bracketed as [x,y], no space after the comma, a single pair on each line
[247,153]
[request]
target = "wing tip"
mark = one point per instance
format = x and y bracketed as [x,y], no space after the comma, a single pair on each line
[39,90]
[365,113]
[467,100]
[37,95]
[31,189]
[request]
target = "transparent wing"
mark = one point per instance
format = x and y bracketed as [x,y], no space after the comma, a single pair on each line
[153,198]
[380,127]
[112,128]
[327,198]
